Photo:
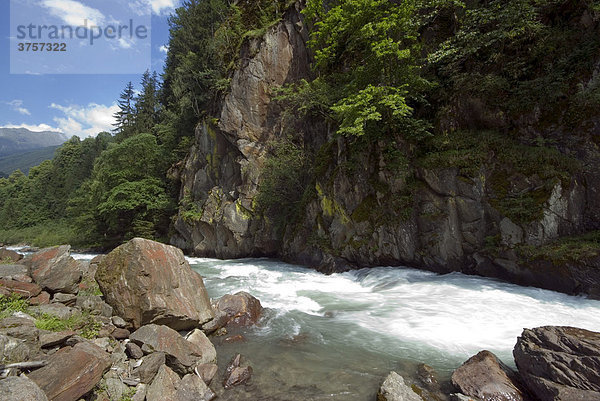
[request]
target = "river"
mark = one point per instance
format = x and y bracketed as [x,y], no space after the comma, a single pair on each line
[336,337]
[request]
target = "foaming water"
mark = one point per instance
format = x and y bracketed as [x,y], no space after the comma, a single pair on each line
[362,324]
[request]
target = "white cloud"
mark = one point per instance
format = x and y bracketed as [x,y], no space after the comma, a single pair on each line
[34,128]
[163,49]
[17,105]
[87,120]
[160,6]
[73,12]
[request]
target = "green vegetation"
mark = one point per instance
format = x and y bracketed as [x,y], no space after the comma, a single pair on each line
[564,250]
[83,323]
[24,161]
[502,90]
[12,304]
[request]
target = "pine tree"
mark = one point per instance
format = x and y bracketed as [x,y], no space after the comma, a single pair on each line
[147,104]
[125,117]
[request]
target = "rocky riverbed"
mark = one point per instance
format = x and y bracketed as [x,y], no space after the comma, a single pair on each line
[137,324]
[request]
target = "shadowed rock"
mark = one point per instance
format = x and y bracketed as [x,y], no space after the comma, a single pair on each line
[560,363]
[148,282]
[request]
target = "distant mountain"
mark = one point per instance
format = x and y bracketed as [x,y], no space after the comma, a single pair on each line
[24,161]
[19,140]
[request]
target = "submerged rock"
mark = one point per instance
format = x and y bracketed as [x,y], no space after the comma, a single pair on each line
[394,389]
[484,376]
[235,374]
[560,363]
[238,310]
[148,282]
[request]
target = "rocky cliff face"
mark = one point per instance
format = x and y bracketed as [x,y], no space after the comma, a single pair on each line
[369,205]
[222,172]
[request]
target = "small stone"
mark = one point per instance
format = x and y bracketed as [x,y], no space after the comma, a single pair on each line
[42,299]
[65,299]
[133,350]
[140,392]
[235,374]
[394,389]
[234,339]
[209,354]
[207,372]
[119,322]
[120,334]
[49,340]
[59,311]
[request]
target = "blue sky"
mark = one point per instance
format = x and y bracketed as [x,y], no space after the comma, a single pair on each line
[79,104]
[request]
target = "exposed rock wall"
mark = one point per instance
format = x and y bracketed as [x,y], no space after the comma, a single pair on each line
[222,172]
[368,210]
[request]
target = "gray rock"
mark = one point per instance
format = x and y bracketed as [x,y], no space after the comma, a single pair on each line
[149,367]
[50,339]
[207,372]
[182,355]
[140,392]
[133,350]
[66,299]
[59,311]
[8,271]
[119,322]
[14,349]
[192,387]
[94,304]
[209,354]
[20,389]
[394,389]
[484,376]
[462,397]
[560,363]
[164,386]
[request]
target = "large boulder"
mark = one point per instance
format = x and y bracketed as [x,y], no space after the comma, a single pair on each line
[182,355]
[20,389]
[55,270]
[238,310]
[484,376]
[394,389]
[9,256]
[72,372]
[148,282]
[20,288]
[560,363]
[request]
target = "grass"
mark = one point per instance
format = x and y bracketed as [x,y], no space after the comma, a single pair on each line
[83,323]
[563,250]
[12,304]
[42,235]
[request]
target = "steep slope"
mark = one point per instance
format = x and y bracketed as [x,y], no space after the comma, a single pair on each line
[473,200]
[25,160]
[18,140]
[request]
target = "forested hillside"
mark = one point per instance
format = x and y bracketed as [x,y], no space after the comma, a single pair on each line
[439,134]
